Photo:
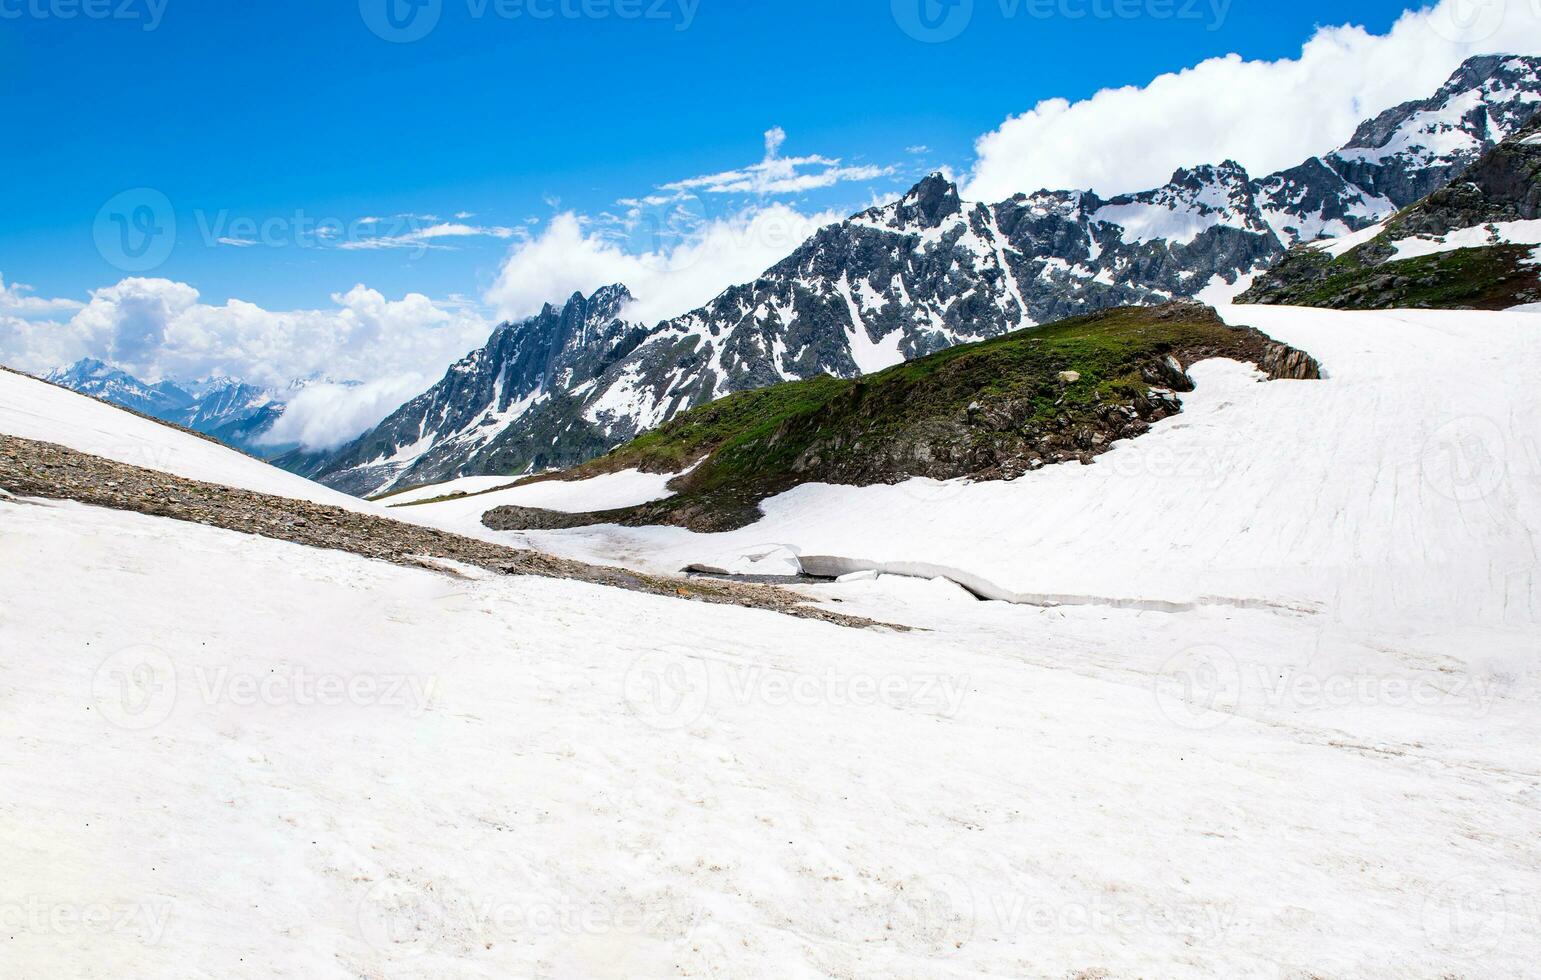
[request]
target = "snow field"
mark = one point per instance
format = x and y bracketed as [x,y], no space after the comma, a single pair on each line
[343,768]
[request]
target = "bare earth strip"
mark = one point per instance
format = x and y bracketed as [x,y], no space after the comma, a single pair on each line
[39,469]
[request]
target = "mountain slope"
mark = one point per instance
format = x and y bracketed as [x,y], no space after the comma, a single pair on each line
[917,276]
[46,412]
[1471,245]
[990,410]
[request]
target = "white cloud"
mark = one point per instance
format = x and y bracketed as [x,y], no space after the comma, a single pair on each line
[776,174]
[327,415]
[666,280]
[426,237]
[17,300]
[1267,115]
[157,328]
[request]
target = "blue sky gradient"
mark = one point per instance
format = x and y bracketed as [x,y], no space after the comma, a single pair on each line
[265,111]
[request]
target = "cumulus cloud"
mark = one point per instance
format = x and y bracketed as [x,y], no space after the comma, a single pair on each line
[1267,115]
[667,280]
[157,329]
[326,415]
[17,300]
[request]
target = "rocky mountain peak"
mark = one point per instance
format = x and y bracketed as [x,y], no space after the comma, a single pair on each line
[930,203]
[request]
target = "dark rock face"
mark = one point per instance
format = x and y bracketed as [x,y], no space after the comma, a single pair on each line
[1503,186]
[922,274]
[1394,156]
[457,420]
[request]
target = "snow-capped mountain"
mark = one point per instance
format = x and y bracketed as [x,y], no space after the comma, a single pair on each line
[905,280]
[1407,153]
[1468,245]
[469,414]
[92,377]
[231,411]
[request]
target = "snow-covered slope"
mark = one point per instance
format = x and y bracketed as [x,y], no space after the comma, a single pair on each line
[608,492]
[33,409]
[242,758]
[1405,486]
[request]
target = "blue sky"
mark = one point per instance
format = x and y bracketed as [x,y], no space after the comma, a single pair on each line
[265,111]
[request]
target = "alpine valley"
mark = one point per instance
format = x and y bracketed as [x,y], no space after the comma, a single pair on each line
[902,281]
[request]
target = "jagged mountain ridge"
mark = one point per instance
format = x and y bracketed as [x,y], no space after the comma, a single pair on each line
[916,276]
[1468,245]
[484,392]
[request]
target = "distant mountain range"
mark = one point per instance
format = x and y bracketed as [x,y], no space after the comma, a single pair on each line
[231,411]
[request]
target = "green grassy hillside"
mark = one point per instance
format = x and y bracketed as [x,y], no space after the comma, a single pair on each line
[991,410]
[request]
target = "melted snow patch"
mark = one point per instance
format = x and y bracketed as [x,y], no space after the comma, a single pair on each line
[1339,247]
[1499,233]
